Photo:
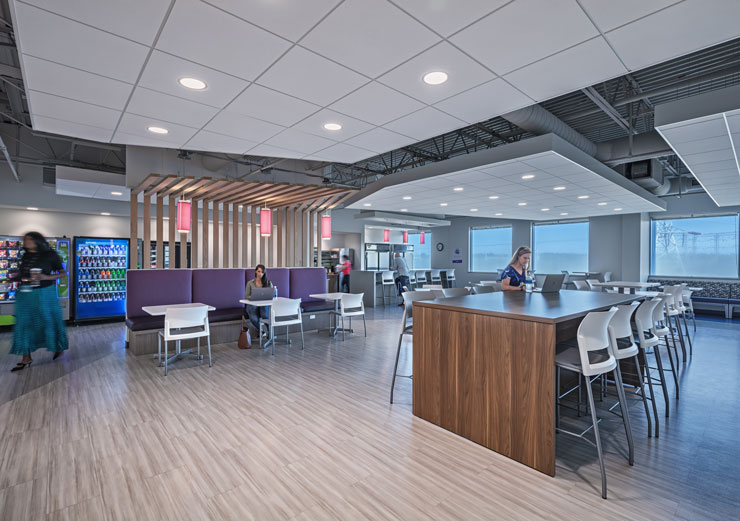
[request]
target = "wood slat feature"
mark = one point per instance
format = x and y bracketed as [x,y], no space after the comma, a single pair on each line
[216,235]
[255,237]
[160,185]
[245,236]
[146,183]
[190,190]
[194,260]
[171,239]
[160,232]
[280,238]
[226,263]
[311,237]
[179,186]
[134,229]
[146,246]
[239,193]
[235,237]
[202,192]
[206,222]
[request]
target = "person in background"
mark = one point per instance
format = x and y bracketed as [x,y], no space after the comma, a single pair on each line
[254,313]
[344,269]
[38,317]
[402,279]
[515,275]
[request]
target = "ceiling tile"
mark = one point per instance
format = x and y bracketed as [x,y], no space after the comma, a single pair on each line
[243,127]
[343,153]
[75,111]
[463,73]
[552,27]
[485,101]
[68,128]
[315,125]
[47,36]
[164,107]
[448,16]
[609,15]
[374,34]
[585,64]
[425,123]
[138,20]
[125,138]
[263,103]
[210,141]
[700,23]
[209,36]
[299,141]
[310,77]
[697,130]
[64,81]
[273,151]
[380,140]
[290,19]
[136,125]
[163,71]
[376,104]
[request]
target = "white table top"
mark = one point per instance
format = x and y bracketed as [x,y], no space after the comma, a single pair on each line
[261,303]
[692,288]
[328,296]
[161,310]
[626,284]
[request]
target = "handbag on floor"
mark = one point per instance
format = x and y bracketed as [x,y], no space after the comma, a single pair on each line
[245,342]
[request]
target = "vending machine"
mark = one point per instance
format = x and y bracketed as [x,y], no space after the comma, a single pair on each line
[100,273]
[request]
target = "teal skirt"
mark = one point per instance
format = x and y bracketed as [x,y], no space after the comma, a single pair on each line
[38,322]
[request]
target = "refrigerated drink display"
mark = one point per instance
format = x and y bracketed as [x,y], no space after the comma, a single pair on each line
[11,251]
[100,269]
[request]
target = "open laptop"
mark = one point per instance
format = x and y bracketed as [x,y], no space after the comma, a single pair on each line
[262,294]
[552,284]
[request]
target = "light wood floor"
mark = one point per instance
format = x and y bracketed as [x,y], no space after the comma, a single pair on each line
[310,435]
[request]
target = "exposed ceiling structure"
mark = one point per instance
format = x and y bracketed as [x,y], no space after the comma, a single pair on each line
[108,71]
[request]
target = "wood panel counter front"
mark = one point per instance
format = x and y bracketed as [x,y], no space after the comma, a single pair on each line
[484,366]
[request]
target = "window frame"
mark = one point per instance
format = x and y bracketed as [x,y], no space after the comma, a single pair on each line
[485,227]
[550,223]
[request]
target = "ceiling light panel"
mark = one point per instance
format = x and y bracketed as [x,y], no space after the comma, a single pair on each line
[350,127]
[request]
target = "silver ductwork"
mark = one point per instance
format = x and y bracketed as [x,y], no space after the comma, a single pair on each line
[539,121]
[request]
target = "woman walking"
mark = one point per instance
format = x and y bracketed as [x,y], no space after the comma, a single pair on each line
[38,317]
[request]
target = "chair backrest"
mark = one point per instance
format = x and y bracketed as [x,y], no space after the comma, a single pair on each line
[432,286]
[479,290]
[644,318]
[285,307]
[408,300]
[388,277]
[686,295]
[593,335]
[436,274]
[608,276]
[412,277]
[581,285]
[674,294]
[352,301]
[566,280]
[621,322]
[421,276]
[591,286]
[176,318]
[450,274]
[455,292]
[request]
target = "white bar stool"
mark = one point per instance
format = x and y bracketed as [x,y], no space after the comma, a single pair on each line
[450,274]
[435,276]
[647,339]
[662,329]
[388,281]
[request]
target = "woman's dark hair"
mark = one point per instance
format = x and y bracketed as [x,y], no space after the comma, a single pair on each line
[39,240]
[265,280]
[345,257]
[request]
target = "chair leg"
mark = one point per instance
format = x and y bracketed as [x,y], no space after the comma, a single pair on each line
[625,414]
[165,357]
[680,337]
[673,339]
[302,344]
[259,333]
[688,336]
[272,336]
[663,385]
[652,393]
[210,360]
[674,369]
[344,331]
[364,324]
[580,385]
[198,348]
[693,317]
[595,422]
[395,366]
[639,372]
[159,350]
[557,397]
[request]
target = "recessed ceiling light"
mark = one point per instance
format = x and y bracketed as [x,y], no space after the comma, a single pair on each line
[474,209]
[367,204]
[498,214]
[528,176]
[435,77]
[559,188]
[564,213]
[404,209]
[458,189]
[602,204]
[617,209]
[443,204]
[545,209]
[32,208]
[332,126]
[158,130]
[493,197]
[521,204]
[192,83]
[406,197]
[116,193]
[583,197]
[104,213]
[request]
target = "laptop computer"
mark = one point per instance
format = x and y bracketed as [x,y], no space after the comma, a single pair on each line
[552,284]
[262,294]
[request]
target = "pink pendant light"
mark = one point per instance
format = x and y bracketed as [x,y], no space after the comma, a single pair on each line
[386,235]
[421,238]
[265,222]
[183,216]
[405,237]
[326,227]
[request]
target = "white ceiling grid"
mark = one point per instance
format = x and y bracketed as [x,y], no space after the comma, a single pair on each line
[277,71]
[499,190]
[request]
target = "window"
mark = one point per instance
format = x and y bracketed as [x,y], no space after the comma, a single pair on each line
[560,246]
[695,247]
[422,258]
[490,249]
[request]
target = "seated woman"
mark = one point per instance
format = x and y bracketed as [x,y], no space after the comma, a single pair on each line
[514,276]
[254,313]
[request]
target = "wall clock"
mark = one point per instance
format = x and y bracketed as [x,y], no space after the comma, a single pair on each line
[440,246]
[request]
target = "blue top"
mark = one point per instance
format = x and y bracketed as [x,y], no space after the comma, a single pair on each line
[515,279]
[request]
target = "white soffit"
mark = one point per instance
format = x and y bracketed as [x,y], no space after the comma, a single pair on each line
[288,63]
[704,131]
[495,183]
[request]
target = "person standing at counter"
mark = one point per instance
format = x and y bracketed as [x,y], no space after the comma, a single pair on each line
[402,269]
[260,280]
[38,317]
[344,269]
[514,276]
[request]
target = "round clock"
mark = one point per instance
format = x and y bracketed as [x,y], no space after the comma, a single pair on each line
[440,246]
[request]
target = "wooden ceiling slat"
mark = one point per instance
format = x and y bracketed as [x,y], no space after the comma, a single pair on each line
[201,182]
[259,197]
[325,192]
[143,185]
[212,195]
[160,185]
[305,194]
[202,192]
[179,186]
[242,192]
[340,200]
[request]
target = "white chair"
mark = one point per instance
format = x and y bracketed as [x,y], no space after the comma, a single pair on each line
[412,280]
[284,312]
[183,324]
[675,309]
[689,304]
[438,293]
[608,276]
[591,286]
[479,289]
[662,329]
[350,306]
[566,279]
[450,274]
[432,286]
[581,285]
[593,357]
[435,276]
[421,278]
[407,326]
[647,339]
[388,281]
[455,292]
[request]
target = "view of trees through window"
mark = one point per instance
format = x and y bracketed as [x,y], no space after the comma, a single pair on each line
[695,247]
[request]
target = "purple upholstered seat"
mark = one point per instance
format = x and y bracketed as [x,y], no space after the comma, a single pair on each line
[279,277]
[222,289]
[156,288]
[304,282]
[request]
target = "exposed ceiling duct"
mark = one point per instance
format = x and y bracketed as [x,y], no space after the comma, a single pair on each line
[539,121]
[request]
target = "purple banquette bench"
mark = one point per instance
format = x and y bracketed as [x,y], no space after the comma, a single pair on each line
[222,289]
[279,277]
[304,282]
[154,288]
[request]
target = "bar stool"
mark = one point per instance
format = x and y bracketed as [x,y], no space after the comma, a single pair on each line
[608,276]
[683,309]
[436,276]
[407,327]
[183,324]
[661,331]
[479,289]
[412,280]
[451,278]
[674,305]
[581,285]
[593,357]
[591,283]
[455,292]
[388,281]
[646,337]
[688,303]
[421,278]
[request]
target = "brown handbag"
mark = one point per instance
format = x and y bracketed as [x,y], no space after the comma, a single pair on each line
[244,341]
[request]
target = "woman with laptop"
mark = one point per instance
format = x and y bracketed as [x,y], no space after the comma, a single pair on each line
[260,281]
[514,276]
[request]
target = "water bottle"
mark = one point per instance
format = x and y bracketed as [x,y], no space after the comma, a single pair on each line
[528,282]
[274,292]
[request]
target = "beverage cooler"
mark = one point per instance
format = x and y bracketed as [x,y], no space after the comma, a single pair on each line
[100,273]
[11,251]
